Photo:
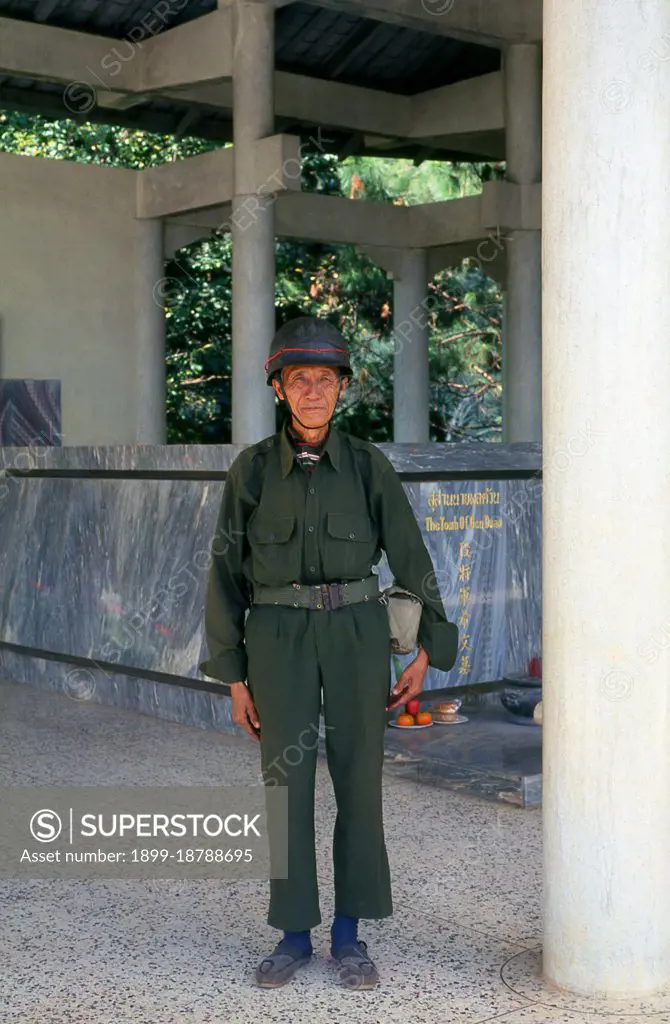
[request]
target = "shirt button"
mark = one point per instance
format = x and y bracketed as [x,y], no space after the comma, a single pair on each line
[311,490]
[312,568]
[311,529]
[269,444]
[351,536]
[271,536]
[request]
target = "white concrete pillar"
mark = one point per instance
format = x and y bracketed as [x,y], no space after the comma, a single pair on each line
[252,224]
[522,399]
[410,330]
[151,290]
[606,545]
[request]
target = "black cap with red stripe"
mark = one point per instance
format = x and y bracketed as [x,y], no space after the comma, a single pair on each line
[307,341]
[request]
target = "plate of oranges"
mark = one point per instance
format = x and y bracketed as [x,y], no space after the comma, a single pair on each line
[412,717]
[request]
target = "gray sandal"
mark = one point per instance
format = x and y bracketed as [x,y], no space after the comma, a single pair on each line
[280,966]
[357,971]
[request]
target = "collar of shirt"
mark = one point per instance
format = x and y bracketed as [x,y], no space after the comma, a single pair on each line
[331,447]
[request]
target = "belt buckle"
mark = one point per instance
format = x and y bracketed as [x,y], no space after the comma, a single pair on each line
[332,596]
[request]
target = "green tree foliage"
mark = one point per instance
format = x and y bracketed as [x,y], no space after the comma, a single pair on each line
[337,282]
[86,143]
[464,305]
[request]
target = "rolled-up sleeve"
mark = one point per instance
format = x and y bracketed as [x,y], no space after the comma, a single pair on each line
[227,590]
[412,568]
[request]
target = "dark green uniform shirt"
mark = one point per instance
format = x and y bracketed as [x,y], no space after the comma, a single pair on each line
[278,525]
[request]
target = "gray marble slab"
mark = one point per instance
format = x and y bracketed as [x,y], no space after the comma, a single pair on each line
[523,574]
[488,756]
[30,412]
[114,570]
[462,458]
[484,538]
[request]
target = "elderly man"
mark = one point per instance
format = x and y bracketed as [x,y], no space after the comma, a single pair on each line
[313,509]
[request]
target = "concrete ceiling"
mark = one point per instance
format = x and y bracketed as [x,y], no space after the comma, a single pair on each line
[404,50]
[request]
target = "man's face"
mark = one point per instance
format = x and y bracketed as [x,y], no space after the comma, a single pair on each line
[312,392]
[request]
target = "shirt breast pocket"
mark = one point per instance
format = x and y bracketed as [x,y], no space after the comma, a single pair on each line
[351,540]
[274,550]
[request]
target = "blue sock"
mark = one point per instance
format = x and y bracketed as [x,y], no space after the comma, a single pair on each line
[301,940]
[343,931]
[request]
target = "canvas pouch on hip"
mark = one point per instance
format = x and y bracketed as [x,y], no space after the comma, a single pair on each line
[404,614]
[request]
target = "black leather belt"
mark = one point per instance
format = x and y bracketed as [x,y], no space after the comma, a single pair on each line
[319,596]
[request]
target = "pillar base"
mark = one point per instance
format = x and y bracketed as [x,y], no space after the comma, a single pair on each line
[523,975]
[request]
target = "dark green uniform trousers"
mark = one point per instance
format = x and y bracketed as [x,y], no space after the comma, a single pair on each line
[296,658]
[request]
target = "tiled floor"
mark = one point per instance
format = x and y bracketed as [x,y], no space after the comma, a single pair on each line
[462,945]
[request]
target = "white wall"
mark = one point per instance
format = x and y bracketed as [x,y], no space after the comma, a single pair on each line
[72,253]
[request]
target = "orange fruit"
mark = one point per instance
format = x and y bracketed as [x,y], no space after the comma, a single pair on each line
[405,719]
[424,718]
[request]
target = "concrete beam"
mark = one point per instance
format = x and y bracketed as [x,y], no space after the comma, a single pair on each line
[489,254]
[217,96]
[197,182]
[207,180]
[164,122]
[193,64]
[278,164]
[476,105]
[178,236]
[216,218]
[149,60]
[511,206]
[199,51]
[389,259]
[475,146]
[491,22]
[461,110]
[333,219]
[189,62]
[314,217]
[111,100]
[319,218]
[51,54]
[454,220]
[488,145]
[314,101]
[341,106]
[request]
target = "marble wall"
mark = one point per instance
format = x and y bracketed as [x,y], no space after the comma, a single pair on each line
[30,412]
[484,538]
[103,567]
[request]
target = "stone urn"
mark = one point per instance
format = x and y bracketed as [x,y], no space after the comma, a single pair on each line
[521,696]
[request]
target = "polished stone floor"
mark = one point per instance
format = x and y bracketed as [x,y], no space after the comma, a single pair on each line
[462,946]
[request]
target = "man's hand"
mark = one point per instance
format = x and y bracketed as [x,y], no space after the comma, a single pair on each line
[244,710]
[411,681]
